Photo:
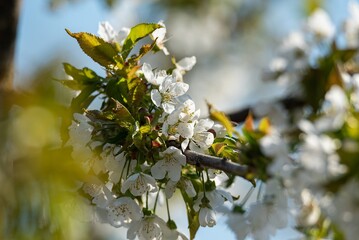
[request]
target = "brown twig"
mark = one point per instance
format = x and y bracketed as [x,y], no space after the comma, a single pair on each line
[202,160]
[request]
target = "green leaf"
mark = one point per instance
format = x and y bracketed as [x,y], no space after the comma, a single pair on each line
[95,47]
[121,113]
[84,99]
[137,91]
[137,33]
[81,77]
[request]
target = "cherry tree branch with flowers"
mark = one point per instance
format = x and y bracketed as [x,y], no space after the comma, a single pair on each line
[147,139]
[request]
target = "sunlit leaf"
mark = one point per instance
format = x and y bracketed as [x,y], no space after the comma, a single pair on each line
[221,118]
[137,33]
[80,77]
[95,47]
[264,125]
[249,123]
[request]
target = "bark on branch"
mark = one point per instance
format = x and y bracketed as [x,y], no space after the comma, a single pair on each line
[202,160]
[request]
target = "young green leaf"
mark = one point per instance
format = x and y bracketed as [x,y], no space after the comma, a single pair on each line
[81,77]
[95,47]
[137,33]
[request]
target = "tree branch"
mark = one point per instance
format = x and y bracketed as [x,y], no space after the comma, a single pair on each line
[202,160]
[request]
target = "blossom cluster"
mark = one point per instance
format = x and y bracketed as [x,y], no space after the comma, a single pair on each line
[128,178]
[134,149]
[313,146]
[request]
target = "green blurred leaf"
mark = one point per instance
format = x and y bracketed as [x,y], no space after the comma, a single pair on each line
[95,47]
[137,33]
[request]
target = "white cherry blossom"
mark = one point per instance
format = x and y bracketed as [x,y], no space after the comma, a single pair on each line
[106,31]
[159,35]
[167,94]
[171,163]
[139,183]
[123,210]
[320,24]
[216,198]
[201,139]
[148,228]
[207,217]
[155,78]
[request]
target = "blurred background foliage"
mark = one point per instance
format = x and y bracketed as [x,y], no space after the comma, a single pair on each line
[232,40]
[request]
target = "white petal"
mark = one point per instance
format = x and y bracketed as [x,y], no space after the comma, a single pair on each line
[158,171]
[147,71]
[106,31]
[174,173]
[170,188]
[186,64]
[168,107]
[184,144]
[207,217]
[156,97]
[179,89]
[186,130]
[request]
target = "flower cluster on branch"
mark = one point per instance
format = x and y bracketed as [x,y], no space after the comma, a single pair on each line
[148,139]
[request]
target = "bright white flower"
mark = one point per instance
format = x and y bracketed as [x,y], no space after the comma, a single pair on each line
[171,163]
[216,198]
[100,193]
[159,35]
[320,24]
[148,228]
[167,94]
[186,112]
[219,177]
[207,217]
[122,211]
[184,183]
[155,78]
[106,31]
[201,139]
[176,129]
[188,187]
[186,64]
[170,188]
[183,66]
[153,228]
[139,183]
